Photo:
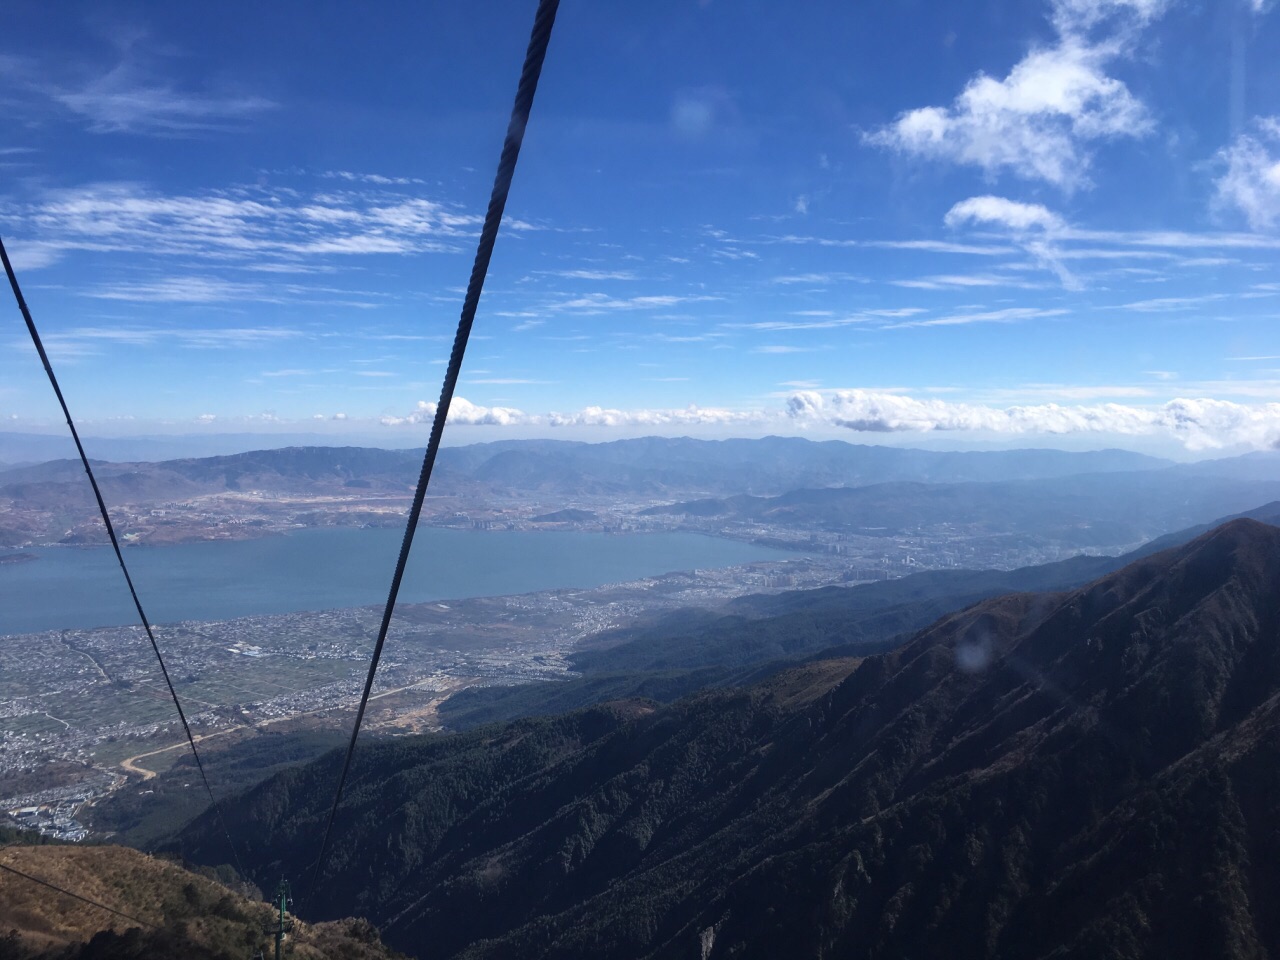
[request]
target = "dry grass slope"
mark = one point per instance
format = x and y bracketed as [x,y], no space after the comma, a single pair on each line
[194,917]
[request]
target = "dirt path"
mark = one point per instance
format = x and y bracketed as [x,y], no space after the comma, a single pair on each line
[131,764]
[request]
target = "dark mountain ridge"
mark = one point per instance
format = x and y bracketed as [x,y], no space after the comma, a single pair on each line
[1084,774]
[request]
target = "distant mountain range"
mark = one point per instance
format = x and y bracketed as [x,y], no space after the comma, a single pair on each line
[1104,498]
[1092,773]
[773,464]
[645,467]
[1101,510]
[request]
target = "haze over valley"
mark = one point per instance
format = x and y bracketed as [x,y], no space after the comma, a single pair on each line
[244,561]
[817,496]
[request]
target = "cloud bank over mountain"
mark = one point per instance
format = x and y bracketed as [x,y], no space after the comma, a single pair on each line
[1198,424]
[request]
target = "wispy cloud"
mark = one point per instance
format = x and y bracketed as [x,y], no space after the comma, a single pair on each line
[178,290]
[135,97]
[1007,315]
[1173,303]
[509,380]
[259,228]
[81,340]
[374,178]
[960,280]
[595,303]
[819,278]
[116,105]
[592,274]
[823,323]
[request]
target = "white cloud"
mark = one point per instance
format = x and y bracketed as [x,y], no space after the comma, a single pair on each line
[1032,225]
[1075,16]
[688,416]
[1039,121]
[1006,213]
[1251,182]
[28,255]
[1199,424]
[464,413]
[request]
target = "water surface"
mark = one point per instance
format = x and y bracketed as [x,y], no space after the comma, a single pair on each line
[81,587]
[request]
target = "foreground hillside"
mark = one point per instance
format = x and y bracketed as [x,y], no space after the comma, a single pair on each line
[182,914]
[1093,773]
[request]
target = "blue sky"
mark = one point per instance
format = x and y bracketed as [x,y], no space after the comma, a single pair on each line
[1042,223]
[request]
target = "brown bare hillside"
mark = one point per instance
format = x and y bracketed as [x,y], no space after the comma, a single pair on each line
[191,916]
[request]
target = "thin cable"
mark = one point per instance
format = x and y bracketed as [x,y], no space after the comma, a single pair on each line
[115,543]
[92,903]
[536,53]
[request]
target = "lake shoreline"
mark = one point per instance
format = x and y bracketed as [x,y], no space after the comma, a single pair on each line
[316,568]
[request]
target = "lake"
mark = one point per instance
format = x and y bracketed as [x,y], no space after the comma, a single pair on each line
[82,587]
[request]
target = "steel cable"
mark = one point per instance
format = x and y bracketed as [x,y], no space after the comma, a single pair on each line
[534,56]
[115,542]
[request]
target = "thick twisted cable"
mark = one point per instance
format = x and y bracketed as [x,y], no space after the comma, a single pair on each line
[115,543]
[537,51]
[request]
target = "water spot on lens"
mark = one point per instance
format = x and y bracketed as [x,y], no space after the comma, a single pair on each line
[973,655]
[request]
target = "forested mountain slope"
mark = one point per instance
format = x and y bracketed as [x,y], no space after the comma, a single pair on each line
[1093,773]
[690,650]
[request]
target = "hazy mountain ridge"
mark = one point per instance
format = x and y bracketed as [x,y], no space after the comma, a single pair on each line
[983,788]
[1056,500]
[646,466]
[1086,509]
